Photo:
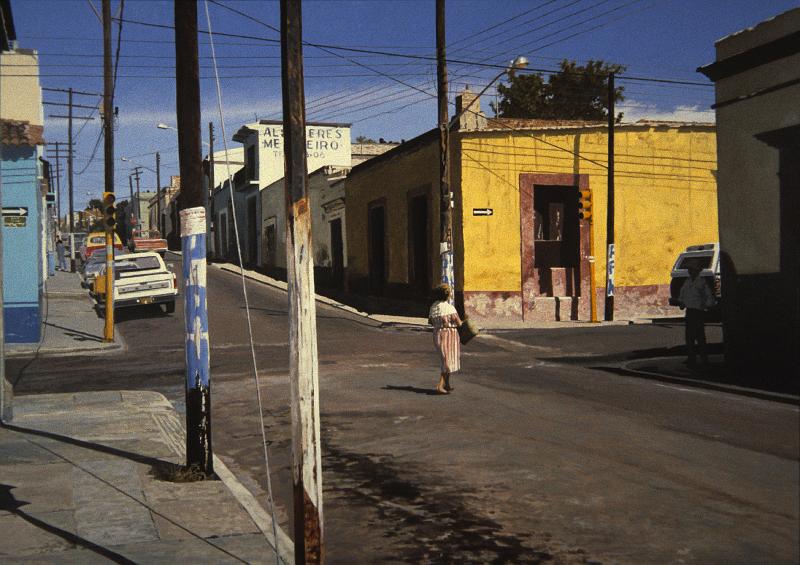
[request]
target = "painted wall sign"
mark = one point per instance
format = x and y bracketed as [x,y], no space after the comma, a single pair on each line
[611,261]
[483,211]
[19,211]
[15,221]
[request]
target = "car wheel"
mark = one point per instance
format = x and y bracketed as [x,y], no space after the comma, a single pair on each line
[169,307]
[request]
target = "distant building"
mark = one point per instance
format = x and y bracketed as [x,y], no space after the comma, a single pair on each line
[24,221]
[521,251]
[757,76]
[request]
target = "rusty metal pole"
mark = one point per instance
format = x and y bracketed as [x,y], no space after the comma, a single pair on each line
[306,449]
[108,116]
[446,197]
[193,240]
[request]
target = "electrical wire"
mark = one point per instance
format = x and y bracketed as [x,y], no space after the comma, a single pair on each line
[246,300]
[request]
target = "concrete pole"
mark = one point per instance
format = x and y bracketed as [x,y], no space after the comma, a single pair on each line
[303,363]
[446,197]
[193,240]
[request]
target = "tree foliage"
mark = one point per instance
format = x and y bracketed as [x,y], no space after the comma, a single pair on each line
[364,139]
[575,92]
[95,204]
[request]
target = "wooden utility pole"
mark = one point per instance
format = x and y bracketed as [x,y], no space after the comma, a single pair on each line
[446,197]
[158,194]
[193,239]
[129,211]
[303,364]
[70,152]
[6,387]
[108,124]
[137,208]
[611,250]
[58,185]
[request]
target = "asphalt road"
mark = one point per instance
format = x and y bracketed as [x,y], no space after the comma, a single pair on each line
[534,457]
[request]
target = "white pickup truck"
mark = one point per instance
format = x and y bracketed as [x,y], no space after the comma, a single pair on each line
[139,279]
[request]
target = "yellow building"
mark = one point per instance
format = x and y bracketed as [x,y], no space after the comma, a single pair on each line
[521,251]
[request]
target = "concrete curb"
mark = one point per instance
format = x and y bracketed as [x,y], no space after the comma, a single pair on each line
[118,345]
[174,434]
[625,369]
[383,321]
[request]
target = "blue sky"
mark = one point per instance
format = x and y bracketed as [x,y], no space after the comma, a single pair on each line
[654,38]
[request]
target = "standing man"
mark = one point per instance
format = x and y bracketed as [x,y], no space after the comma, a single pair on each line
[62,256]
[696,297]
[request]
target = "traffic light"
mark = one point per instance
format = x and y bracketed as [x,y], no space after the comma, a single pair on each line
[585,204]
[109,210]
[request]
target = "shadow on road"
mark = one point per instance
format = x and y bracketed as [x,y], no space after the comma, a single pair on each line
[426,391]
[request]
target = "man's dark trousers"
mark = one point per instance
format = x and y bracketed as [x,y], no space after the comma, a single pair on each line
[695,331]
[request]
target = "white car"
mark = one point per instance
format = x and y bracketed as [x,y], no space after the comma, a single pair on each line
[139,279]
[705,256]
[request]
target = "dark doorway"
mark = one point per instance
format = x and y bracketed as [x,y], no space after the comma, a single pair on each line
[337,253]
[418,244]
[556,234]
[377,249]
[252,231]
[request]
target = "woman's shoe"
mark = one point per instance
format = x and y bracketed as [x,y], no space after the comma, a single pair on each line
[441,388]
[447,386]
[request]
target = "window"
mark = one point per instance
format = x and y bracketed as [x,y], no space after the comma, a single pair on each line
[250,160]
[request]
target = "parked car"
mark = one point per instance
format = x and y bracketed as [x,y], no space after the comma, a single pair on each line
[97,240]
[149,240]
[93,267]
[705,256]
[139,279]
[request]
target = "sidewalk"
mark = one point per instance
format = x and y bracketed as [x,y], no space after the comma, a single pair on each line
[81,482]
[673,369]
[69,322]
[414,321]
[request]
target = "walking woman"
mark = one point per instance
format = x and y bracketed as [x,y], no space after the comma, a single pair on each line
[445,321]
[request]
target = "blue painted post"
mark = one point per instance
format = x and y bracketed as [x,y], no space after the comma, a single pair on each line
[198,383]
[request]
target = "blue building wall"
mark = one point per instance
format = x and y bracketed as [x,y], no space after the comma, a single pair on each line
[22,246]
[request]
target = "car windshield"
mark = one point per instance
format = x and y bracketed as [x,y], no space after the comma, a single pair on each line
[702,261]
[98,256]
[129,263]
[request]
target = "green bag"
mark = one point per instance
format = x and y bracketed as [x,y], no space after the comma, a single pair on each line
[467,330]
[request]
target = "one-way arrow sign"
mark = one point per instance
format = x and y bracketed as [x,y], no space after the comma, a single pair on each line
[483,211]
[15,211]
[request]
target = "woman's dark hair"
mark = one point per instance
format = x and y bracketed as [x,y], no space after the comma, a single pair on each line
[441,292]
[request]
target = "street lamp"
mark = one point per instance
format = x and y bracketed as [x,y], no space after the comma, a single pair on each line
[162,125]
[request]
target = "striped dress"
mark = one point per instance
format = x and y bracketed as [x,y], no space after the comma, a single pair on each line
[445,321]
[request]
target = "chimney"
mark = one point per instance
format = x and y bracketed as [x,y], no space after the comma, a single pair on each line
[473,118]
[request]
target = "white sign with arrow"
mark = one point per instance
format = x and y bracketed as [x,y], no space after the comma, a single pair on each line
[19,211]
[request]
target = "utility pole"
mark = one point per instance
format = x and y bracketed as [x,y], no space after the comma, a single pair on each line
[129,211]
[6,388]
[108,124]
[209,211]
[210,156]
[158,194]
[136,208]
[611,255]
[58,185]
[303,363]
[446,197]
[193,239]
[70,181]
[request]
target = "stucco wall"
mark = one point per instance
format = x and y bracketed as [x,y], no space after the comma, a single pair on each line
[20,96]
[665,197]
[391,180]
[749,185]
